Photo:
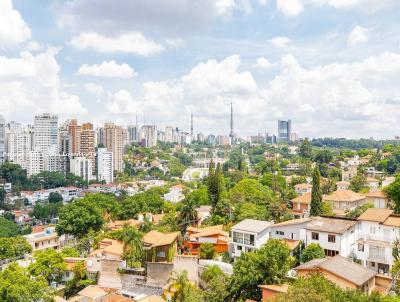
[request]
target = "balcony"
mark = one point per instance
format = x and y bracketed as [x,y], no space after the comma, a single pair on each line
[383,240]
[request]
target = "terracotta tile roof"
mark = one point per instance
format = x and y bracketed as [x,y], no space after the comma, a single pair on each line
[373,214]
[92,291]
[376,194]
[392,220]
[157,218]
[344,195]
[118,298]
[119,224]
[72,261]
[306,199]
[219,227]
[276,288]
[155,238]
[330,225]
[109,246]
[303,186]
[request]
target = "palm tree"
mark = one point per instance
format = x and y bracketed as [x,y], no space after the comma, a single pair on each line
[187,215]
[179,283]
[132,245]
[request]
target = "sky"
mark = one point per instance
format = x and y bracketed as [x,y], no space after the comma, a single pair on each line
[331,66]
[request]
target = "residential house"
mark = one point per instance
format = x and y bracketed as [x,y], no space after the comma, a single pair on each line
[372,182]
[377,229]
[203,212]
[301,205]
[344,273]
[248,235]
[215,235]
[302,189]
[377,198]
[119,224]
[269,292]
[348,172]
[70,263]
[175,194]
[372,172]
[48,238]
[160,247]
[291,229]
[342,185]
[388,180]
[337,236]
[342,200]
[150,217]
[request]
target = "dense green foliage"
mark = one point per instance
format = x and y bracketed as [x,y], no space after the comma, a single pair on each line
[312,251]
[393,192]
[316,207]
[206,251]
[9,228]
[48,264]
[14,247]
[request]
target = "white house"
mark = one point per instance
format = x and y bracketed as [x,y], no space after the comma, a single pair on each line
[302,189]
[377,229]
[334,235]
[248,235]
[175,194]
[292,229]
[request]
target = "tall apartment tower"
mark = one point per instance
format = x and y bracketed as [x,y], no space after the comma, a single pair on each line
[45,137]
[82,167]
[284,131]
[64,145]
[148,135]
[105,165]
[75,131]
[18,143]
[2,139]
[87,144]
[231,132]
[133,133]
[113,141]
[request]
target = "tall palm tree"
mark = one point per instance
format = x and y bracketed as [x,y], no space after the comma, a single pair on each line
[187,215]
[132,240]
[179,282]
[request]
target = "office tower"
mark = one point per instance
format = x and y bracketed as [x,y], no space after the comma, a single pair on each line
[284,131]
[65,148]
[293,137]
[186,138]
[270,139]
[82,167]
[100,137]
[34,163]
[2,139]
[169,134]
[75,131]
[113,136]
[160,136]
[200,137]
[125,140]
[211,139]
[231,133]
[87,146]
[191,124]
[45,132]
[18,143]
[105,168]
[148,135]
[223,140]
[133,134]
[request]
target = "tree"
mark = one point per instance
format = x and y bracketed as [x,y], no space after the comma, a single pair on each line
[305,149]
[188,215]
[268,265]
[2,194]
[207,251]
[79,281]
[316,194]
[358,183]
[214,284]
[355,213]
[252,191]
[55,197]
[70,252]
[393,193]
[78,218]
[17,285]
[250,210]
[215,183]
[13,247]
[132,241]
[9,228]
[48,264]
[313,251]
[323,156]
[182,289]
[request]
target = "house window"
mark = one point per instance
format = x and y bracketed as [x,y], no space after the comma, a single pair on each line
[239,247]
[331,253]
[331,238]
[280,233]
[248,239]
[361,247]
[161,254]
[315,236]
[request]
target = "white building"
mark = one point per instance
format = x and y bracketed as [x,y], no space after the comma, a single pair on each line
[334,235]
[2,139]
[34,163]
[169,134]
[82,167]
[302,189]
[292,229]
[377,229]
[175,194]
[248,235]
[105,166]
[148,135]
[19,142]
[46,132]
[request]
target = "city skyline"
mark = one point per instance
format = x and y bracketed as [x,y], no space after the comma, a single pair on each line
[322,64]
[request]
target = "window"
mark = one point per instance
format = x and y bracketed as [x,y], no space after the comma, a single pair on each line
[331,253]
[331,238]
[280,233]
[315,236]
[239,247]
[361,247]
[161,254]
[248,239]
[237,237]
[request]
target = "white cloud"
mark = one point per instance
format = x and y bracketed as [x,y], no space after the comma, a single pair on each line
[224,7]
[289,8]
[108,69]
[358,35]
[363,6]
[133,42]
[30,84]
[263,63]
[94,88]
[13,29]
[281,42]
[263,2]
[175,43]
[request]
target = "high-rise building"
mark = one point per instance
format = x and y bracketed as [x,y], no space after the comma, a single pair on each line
[18,143]
[133,134]
[65,147]
[100,136]
[45,135]
[284,131]
[87,145]
[169,134]
[200,137]
[2,139]
[113,141]
[82,167]
[148,135]
[75,131]
[231,133]
[105,165]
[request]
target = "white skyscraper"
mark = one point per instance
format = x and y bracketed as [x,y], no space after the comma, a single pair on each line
[19,142]
[46,132]
[169,134]
[2,139]
[105,165]
[81,166]
[148,135]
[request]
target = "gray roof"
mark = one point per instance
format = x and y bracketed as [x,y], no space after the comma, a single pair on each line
[251,225]
[227,268]
[330,225]
[342,267]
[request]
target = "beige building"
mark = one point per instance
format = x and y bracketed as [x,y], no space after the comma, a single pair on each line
[87,144]
[113,141]
[342,200]
[74,131]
